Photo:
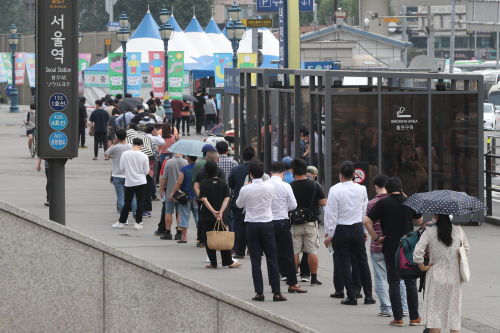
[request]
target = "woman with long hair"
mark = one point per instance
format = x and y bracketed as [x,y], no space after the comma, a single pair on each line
[160,111]
[443,291]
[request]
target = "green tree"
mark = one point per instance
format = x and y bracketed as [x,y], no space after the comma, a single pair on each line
[93,15]
[15,12]
[327,9]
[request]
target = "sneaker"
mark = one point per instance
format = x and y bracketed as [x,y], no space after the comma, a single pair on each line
[283,278]
[207,260]
[84,147]
[406,314]
[384,314]
[166,236]
[126,223]
[118,225]
[158,233]
[137,226]
[29,152]
[46,204]
[304,279]
[157,185]
[146,214]
[178,236]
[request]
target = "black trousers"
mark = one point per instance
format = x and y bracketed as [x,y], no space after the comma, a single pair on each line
[148,205]
[209,225]
[284,246]
[338,283]
[240,225]
[200,121]
[81,135]
[139,191]
[304,266]
[261,238]
[100,137]
[394,291]
[185,120]
[349,240]
[47,186]
[161,225]
[200,234]
[177,123]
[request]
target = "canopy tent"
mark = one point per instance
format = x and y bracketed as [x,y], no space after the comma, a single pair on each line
[195,35]
[217,38]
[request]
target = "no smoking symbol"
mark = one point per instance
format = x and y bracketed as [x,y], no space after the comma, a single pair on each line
[360,176]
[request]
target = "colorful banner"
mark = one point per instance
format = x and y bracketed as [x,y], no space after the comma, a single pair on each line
[248,60]
[83,64]
[7,64]
[115,73]
[30,68]
[20,68]
[3,75]
[134,73]
[157,71]
[176,74]
[221,61]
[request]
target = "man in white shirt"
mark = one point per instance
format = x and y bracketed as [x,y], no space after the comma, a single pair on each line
[284,201]
[135,165]
[345,208]
[257,197]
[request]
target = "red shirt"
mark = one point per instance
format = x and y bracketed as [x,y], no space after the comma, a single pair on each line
[376,247]
[177,105]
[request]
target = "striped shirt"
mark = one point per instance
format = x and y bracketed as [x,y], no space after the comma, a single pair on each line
[226,163]
[375,247]
[147,147]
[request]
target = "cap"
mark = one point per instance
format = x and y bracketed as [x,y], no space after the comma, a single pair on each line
[208,147]
[146,118]
[287,160]
[312,169]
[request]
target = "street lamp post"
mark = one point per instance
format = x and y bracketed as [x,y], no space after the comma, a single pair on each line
[13,41]
[166,32]
[235,31]
[123,36]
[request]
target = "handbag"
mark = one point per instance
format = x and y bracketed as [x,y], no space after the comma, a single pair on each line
[181,197]
[220,239]
[303,215]
[464,263]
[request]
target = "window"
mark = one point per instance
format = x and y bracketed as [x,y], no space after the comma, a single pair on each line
[246,11]
[462,42]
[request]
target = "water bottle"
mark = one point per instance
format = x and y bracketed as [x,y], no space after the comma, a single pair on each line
[330,248]
[163,197]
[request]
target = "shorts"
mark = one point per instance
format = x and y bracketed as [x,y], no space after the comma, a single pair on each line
[170,206]
[305,238]
[30,131]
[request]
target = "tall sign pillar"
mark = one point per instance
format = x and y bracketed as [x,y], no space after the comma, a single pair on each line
[57,94]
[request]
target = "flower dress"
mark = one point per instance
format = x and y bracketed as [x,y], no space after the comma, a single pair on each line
[443,292]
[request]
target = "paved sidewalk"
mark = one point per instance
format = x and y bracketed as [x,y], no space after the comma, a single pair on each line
[90,200]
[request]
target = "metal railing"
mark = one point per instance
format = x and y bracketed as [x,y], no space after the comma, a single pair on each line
[491,170]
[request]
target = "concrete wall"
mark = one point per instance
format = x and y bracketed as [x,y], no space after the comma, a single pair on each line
[57,280]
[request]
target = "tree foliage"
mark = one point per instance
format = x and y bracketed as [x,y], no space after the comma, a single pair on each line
[327,9]
[15,12]
[93,15]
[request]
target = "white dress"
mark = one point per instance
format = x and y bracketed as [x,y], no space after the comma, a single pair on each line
[443,291]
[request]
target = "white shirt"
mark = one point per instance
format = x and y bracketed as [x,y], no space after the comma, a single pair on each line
[346,205]
[316,143]
[257,198]
[157,140]
[284,200]
[135,166]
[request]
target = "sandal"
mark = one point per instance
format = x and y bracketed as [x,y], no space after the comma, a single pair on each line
[235,264]
[106,159]
[182,242]
[210,266]
[95,158]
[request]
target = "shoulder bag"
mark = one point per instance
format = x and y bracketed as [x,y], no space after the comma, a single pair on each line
[464,263]
[303,215]
[220,238]
[181,197]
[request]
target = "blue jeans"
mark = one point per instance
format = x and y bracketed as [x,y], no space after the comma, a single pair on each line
[380,275]
[120,194]
[191,206]
[230,220]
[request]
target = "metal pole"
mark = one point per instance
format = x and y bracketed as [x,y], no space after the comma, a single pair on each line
[404,35]
[124,47]
[166,99]
[111,11]
[57,190]
[14,94]
[498,47]
[452,34]
[489,201]
[475,44]
[255,40]
[430,24]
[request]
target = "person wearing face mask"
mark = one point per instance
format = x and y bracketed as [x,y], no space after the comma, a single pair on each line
[304,145]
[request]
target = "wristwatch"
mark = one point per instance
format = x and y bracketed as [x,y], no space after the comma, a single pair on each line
[377,239]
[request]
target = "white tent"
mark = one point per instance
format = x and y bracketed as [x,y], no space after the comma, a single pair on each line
[196,36]
[217,38]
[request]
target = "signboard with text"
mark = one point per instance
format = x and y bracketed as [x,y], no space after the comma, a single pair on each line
[258,23]
[30,68]
[7,64]
[273,5]
[115,61]
[324,65]
[157,71]
[232,81]
[176,74]
[20,68]
[57,79]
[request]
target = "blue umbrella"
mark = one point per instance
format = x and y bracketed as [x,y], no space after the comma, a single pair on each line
[187,147]
[444,202]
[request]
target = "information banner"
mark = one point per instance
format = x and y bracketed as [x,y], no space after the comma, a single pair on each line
[273,6]
[3,75]
[83,64]
[176,74]
[248,60]
[57,79]
[221,61]
[30,68]
[134,73]
[7,64]
[157,72]
[115,61]
[20,68]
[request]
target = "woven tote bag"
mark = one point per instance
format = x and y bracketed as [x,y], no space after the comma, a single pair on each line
[220,238]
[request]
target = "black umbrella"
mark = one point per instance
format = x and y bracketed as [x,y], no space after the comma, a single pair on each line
[129,104]
[444,202]
[189,98]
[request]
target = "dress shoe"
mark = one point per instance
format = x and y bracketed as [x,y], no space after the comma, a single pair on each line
[415,322]
[370,300]
[359,295]
[278,298]
[258,298]
[296,289]
[337,294]
[348,301]
[398,323]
